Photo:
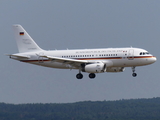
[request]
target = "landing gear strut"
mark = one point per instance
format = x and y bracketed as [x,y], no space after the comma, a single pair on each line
[133,70]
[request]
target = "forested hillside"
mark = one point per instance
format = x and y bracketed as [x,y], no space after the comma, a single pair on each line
[135,109]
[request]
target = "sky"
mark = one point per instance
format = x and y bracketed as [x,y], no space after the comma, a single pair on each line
[78,24]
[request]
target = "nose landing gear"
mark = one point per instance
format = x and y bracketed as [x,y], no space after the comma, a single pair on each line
[134,74]
[133,70]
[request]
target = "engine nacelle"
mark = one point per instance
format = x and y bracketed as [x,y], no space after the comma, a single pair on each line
[115,69]
[94,68]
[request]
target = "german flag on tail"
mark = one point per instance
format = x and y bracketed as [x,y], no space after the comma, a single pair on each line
[21,33]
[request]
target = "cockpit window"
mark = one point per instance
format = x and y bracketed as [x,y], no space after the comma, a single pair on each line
[143,53]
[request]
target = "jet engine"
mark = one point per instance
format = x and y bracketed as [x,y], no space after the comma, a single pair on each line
[115,69]
[94,68]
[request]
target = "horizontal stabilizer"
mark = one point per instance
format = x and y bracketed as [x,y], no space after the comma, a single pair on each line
[19,56]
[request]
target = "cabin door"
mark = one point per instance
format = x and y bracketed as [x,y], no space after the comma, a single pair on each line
[130,54]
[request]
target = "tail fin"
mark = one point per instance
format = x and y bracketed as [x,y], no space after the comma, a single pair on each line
[24,42]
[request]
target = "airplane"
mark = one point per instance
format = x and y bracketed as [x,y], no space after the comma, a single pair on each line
[92,61]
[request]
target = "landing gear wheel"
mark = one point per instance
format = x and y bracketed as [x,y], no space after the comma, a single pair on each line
[92,75]
[133,70]
[79,76]
[134,74]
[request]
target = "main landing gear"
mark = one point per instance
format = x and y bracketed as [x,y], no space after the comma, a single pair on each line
[92,75]
[133,70]
[80,75]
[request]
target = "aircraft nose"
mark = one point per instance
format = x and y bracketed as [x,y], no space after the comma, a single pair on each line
[153,59]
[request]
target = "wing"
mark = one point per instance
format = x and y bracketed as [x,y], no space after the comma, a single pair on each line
[72,62]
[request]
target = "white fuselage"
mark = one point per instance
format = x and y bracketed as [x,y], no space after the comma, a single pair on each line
[115,57]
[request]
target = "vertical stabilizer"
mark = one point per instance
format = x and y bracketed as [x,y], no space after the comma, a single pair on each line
[24,42]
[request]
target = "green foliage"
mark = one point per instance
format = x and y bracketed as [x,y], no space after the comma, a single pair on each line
[134,109]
